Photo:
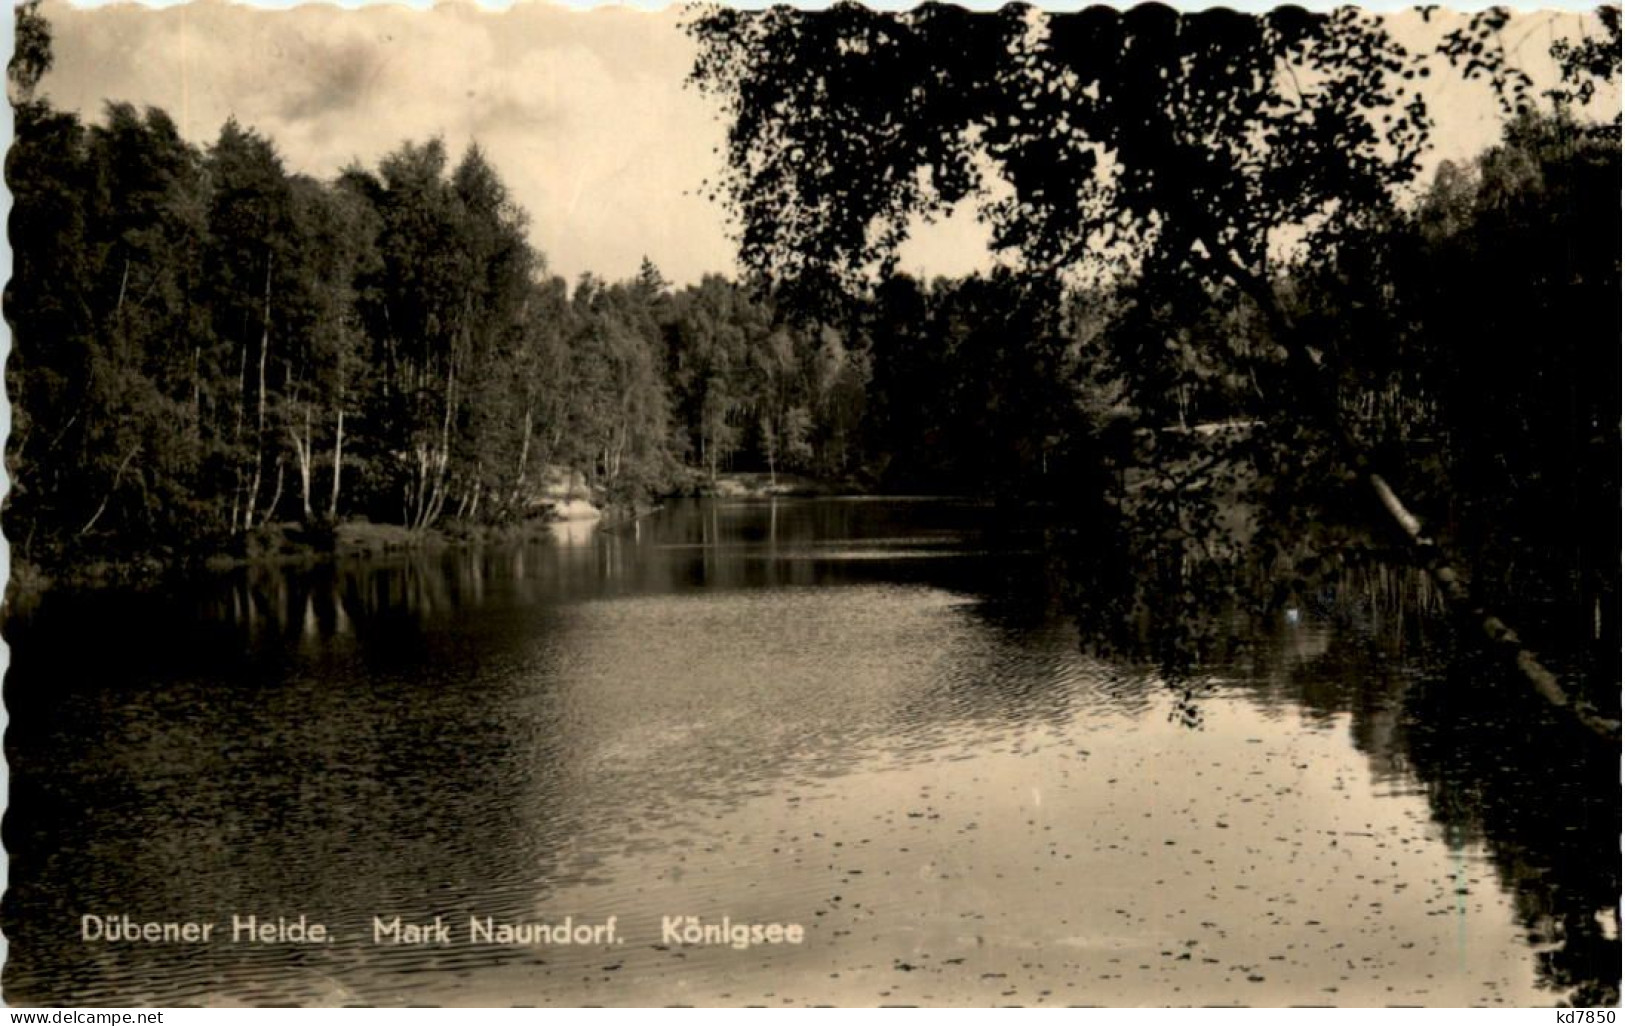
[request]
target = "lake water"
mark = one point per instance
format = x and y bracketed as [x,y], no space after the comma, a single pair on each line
[870,718]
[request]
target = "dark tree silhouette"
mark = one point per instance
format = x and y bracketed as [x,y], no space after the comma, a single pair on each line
[1185,150]
[32,57]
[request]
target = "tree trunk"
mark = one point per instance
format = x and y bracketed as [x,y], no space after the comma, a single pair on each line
[437,496]
[117,477]
[433,494]
[338,462]
[302,451]
[237,436]
[123,284]
[524,464]
[276,494]
[259,430]
[417,492]
[197,395]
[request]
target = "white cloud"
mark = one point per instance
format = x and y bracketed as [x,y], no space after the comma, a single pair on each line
[583,113]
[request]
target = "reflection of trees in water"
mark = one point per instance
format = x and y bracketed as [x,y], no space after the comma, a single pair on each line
[1498,768]
[205,757]
[1545,801]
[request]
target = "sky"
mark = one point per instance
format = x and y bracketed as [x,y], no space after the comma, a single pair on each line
[583,112]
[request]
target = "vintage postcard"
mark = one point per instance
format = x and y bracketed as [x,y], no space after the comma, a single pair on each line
[716,506]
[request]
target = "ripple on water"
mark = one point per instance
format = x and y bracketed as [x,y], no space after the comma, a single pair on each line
[960,806]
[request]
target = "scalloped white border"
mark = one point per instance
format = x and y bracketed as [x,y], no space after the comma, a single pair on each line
[8,44]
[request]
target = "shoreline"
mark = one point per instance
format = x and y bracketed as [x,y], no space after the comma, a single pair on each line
[292,544]
[275,545]
[296,544]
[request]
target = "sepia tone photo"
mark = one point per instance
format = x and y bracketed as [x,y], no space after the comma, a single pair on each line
[724,507]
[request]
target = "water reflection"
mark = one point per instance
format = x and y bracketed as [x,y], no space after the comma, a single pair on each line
[1499,771]
[868,716]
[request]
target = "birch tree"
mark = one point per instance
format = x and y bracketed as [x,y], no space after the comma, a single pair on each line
[1189,151]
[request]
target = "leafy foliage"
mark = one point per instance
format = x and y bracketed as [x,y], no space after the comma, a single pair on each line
[1233,180]
[1141,135]
[208,344]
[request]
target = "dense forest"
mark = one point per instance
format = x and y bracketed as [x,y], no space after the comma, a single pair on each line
[206,343]
[207,346]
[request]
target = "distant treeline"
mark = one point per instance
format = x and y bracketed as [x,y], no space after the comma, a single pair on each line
[205,344]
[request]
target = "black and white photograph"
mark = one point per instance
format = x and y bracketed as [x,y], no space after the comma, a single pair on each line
[728,506]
